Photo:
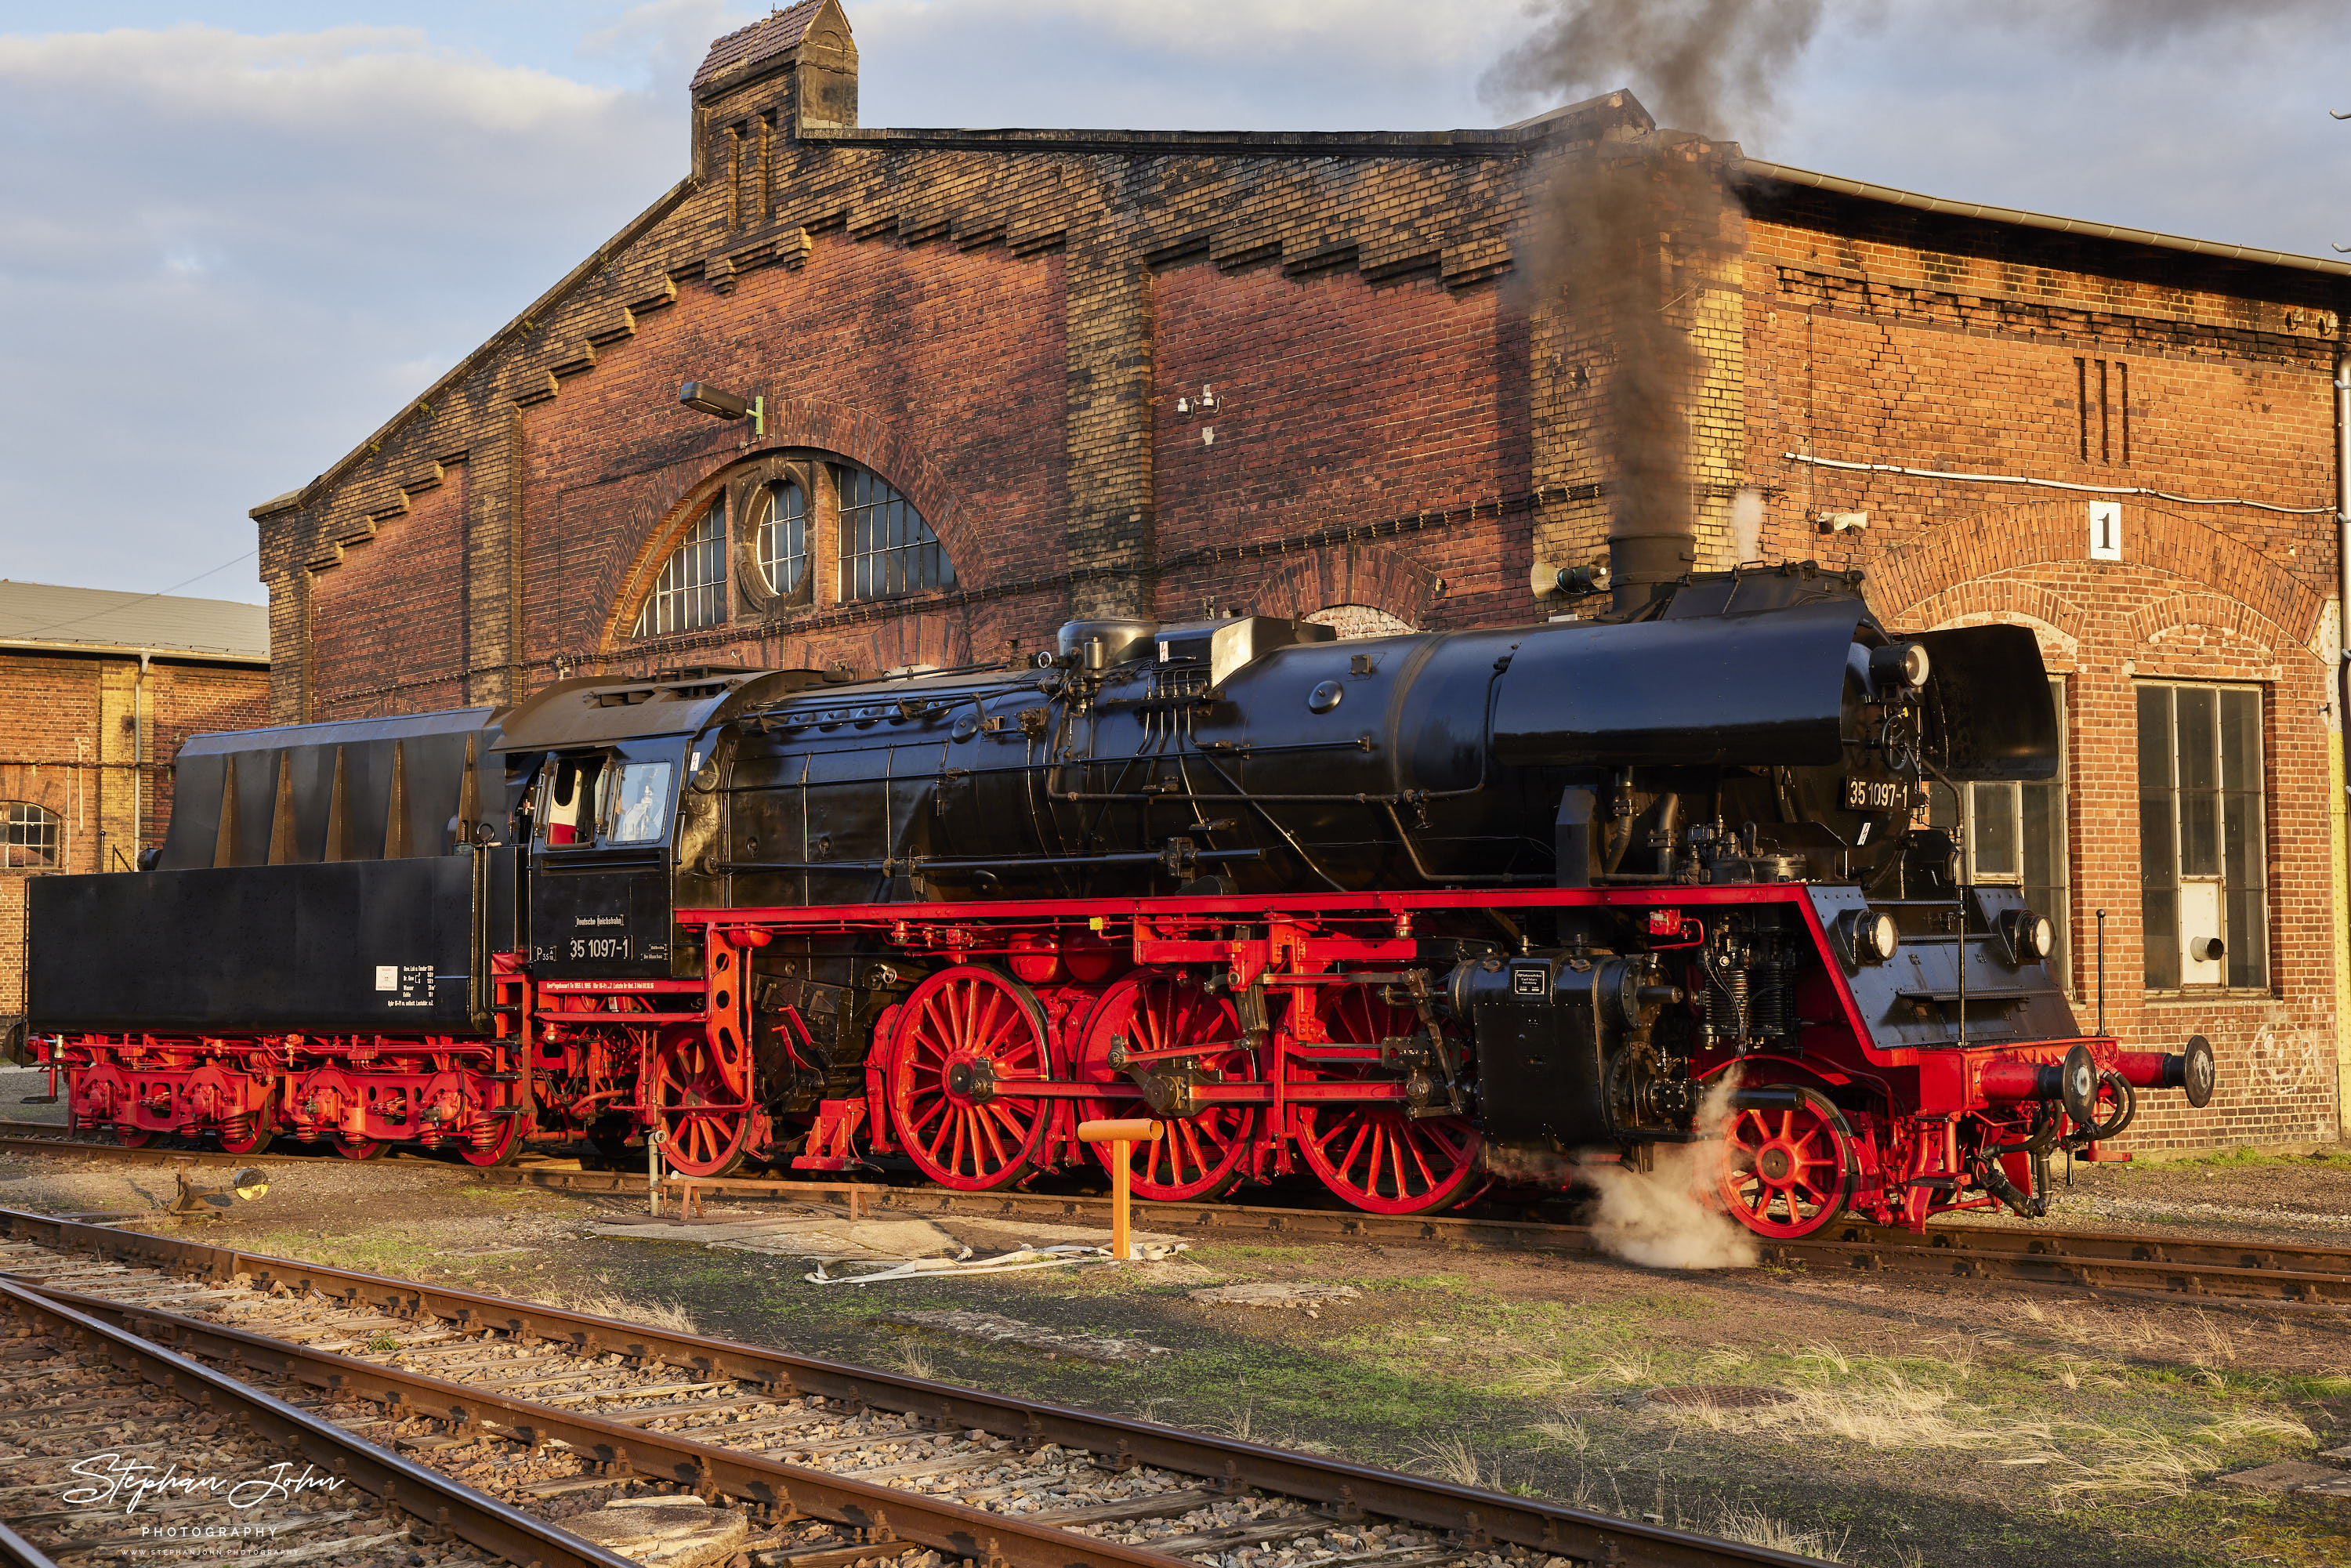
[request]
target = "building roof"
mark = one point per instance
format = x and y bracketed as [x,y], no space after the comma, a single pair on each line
[45,615]
[763,39]
[1756,168]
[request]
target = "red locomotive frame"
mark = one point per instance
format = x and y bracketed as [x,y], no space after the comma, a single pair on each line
[981,1073]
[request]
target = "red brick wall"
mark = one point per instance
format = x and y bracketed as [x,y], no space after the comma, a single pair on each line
[385,637]
[1340,401]
[67,750]
[940,370]
[1953,348]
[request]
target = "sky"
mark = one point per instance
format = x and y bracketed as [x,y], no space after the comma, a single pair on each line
[236,235]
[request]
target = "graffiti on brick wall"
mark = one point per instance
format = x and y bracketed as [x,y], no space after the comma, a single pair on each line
[2287,1059]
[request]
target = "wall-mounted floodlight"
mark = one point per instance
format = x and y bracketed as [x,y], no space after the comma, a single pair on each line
[703,398]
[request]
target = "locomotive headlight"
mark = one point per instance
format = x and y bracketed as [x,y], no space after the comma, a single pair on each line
[2028,936]
[1898,664]
[1867,935]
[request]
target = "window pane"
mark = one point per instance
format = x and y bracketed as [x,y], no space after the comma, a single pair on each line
[640,810]
[2159,914]
[692,589]
[567,814]
[782,537]
[2245,856]
[886,546]
[1995,831]
[28,836]
[2199,781]
[2159,867]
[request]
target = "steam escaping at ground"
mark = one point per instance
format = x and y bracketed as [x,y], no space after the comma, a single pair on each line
[1659,1218]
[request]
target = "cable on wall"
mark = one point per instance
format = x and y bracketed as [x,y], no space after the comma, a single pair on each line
[2055,485]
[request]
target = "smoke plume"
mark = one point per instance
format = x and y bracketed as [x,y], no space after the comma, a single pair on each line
[1657,1218]
[1624,236]
[1707,66]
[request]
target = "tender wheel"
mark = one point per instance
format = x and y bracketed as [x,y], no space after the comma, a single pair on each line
[359,1148]
[133,1138]
[704,1092]
[248,1134]
[505,1142]
[967,1039]
[1375,1156]
[1786,1174]
[1201,1154]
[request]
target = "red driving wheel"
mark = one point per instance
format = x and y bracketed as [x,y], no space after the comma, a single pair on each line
[1375,1154]
[1198,1155]
[1786,1173]
[967,1038]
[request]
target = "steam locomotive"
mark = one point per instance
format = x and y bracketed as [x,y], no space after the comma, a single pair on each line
[1414,914]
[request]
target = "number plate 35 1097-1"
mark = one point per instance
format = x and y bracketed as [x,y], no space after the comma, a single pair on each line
[1875,794]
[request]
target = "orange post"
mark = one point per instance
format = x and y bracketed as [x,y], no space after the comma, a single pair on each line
[1122,1137]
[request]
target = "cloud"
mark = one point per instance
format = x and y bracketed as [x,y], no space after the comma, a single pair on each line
[1279,65]
[236,255]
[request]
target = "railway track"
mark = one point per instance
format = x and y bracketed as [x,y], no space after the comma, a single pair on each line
[2200,1268]
[292,1485]
[820,1465]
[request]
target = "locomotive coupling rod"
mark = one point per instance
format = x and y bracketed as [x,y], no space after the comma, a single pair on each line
[1122,1137]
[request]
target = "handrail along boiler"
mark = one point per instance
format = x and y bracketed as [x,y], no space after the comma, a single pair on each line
[1412,913]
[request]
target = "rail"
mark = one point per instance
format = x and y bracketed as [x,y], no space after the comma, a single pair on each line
[2205,1268]
[402,1485]
[1341,1490]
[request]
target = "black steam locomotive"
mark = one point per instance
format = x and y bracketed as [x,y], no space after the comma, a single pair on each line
[1413,914]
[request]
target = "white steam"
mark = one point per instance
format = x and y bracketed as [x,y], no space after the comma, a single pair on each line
[1660,1218]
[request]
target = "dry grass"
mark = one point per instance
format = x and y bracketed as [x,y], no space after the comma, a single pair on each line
[915,1362]
[1563,1431]
[1455,1460]
[653,1315]
[1743,1521]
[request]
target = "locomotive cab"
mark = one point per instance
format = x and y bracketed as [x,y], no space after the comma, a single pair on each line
[598,768]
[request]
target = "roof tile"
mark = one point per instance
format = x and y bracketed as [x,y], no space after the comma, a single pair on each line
[761,40]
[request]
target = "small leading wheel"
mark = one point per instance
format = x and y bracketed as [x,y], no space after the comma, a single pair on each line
[967,1039]
[359,1148]
[1786,1173]
[704,1092]
[1200,1155]
[133,1138]
[1375,1154]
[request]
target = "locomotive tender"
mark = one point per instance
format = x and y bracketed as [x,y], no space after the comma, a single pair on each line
[1413,914]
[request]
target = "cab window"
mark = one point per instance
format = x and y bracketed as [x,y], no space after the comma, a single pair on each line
[640,803]
[567,789]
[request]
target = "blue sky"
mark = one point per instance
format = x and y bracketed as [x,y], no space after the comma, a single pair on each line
[239,235]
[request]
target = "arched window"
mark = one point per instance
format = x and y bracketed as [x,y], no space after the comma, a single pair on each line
[692,589]
[779,537]
[1360,620]
[28,837]
[886,548]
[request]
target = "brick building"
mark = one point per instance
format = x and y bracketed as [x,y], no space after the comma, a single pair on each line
[98,689]
[1008,376]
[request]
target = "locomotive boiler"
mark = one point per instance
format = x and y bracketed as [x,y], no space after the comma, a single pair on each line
[1412,915]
